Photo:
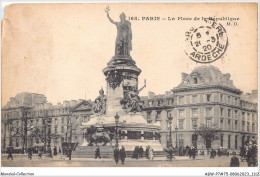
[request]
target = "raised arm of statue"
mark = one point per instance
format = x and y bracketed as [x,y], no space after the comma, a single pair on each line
[110,19]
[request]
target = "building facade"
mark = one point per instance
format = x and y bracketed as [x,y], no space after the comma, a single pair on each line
[205,97]
[24,121]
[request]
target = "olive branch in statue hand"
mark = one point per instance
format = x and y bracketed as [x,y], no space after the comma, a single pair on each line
[107,9]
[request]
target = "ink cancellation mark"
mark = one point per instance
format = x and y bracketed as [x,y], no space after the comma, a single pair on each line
[207,43]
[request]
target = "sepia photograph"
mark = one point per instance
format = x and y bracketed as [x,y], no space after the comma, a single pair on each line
[130,85]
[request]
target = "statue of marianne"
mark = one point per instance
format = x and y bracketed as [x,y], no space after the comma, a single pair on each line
[100,103]
[124,34]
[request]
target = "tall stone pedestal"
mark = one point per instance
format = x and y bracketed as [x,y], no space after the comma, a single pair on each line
[113,101]
[121,99]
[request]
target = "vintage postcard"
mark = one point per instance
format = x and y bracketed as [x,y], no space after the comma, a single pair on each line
[130,85]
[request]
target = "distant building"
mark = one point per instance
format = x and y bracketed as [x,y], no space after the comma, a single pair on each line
[204,97]
[25,117]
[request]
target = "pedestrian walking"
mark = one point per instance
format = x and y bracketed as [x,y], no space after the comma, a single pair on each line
[69,152]
[234,162]
[170,153]
[122,155]
[55,151]
[213,153]
[97,153]
[189,152]
[141,152]
[40,153]
[59,150]
[193,152]
[219,152]
[10,153]
[147,152]
[202,152]
[150,153]
[30,153]
[116,155]
[181,151]
[63,150]
[135,153]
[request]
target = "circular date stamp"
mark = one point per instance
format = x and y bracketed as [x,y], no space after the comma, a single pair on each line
[206,43]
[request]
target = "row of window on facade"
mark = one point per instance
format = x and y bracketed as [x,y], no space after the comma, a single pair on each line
[42,112]
[11,114]
[245,125]
[38,122]
[208,121]
[50,112]
[194,124]
[229,140]
[243,141]
[36,140]
[237,115]
[194,99]
[209,113]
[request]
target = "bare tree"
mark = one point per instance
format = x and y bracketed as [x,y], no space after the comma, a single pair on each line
[208,134]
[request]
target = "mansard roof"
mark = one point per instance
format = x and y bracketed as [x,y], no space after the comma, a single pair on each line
[25,99]
[206,76]
[83,105]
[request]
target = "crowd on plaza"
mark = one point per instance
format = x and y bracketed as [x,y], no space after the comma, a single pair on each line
[187,151]
[248,153]
[120,154]
[139,152]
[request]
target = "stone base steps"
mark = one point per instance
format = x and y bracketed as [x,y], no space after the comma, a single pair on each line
[106,152]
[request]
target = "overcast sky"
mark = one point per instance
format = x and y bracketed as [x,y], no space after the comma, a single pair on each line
[60,50]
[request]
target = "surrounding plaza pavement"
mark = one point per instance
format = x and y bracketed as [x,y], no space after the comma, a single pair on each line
[60,161]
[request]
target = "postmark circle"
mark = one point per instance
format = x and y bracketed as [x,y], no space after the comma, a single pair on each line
[206,43]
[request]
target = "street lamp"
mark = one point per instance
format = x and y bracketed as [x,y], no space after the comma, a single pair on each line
[10,135]
[195,138]
[49,154]
[176,129]
[116,120]
[170,136]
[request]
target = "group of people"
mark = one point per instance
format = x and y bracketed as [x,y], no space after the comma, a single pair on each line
[138,152]
[55,151]
[213,153]
[188,151]
[120,154]
[192,151]
[40,151]
[250,153]
[30,151]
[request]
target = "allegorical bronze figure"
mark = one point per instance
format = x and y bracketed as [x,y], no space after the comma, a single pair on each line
[124,34]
